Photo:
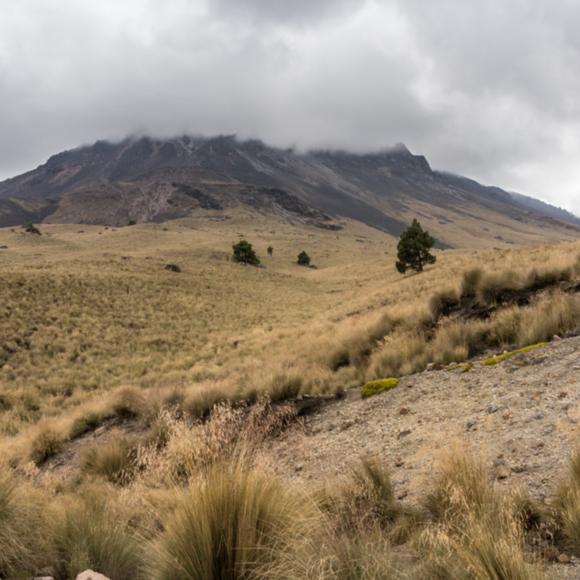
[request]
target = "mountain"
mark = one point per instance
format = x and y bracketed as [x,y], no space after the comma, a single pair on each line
[539,206]
[145,179]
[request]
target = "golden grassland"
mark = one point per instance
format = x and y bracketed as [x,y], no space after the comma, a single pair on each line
[94,331]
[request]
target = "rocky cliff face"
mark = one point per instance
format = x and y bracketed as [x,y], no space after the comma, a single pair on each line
[145,179]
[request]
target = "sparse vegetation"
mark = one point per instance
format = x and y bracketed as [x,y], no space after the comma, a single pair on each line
[122,382]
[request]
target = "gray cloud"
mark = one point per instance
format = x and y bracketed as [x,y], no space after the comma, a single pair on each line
[487,89]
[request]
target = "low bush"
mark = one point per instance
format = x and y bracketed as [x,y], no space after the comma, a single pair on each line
[378,386]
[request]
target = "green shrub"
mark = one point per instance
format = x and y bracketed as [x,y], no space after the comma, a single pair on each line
[303,259]
[245,254]
[30,228]
[378,386]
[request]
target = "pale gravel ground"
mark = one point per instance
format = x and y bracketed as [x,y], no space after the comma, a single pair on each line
[522,416]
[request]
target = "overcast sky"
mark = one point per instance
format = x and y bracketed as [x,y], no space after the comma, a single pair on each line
[488,89]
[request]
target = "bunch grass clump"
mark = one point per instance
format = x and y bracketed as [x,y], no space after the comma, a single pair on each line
[230,524]
[93,532]
[23,529]
[567,503]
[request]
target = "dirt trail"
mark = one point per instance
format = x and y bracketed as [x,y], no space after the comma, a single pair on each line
[523,415]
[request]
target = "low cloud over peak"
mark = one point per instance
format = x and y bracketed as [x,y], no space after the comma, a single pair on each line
[490,90]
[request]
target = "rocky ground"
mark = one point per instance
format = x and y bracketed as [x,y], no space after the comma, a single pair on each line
[522,415]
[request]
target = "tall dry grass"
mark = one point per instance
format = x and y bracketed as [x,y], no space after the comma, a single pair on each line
[476,531]
[230,525]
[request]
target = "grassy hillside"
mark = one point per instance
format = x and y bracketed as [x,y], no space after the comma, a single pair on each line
[116,377]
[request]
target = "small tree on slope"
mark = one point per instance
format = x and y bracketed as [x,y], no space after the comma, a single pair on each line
[413,249]
[244,253]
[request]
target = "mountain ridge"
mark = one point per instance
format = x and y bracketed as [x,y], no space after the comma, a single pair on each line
[146,179]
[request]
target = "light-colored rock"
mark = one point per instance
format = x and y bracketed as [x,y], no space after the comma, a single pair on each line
[91,575]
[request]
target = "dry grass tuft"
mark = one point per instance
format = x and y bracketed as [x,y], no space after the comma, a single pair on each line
[567,504]
[46,444]
[476,531]
[230,524]
[93,532]
[23,521]
[115,460]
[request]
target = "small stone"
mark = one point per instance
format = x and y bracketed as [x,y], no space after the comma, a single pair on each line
[538,416]
[404,411]
[556,337]
[562,395]
[507,415]
[470,424]
[298,467]
[491,408]
[564,559]
[91,575]
[519,468]
[172,268]
[430,367]
[403,433]
[399,462]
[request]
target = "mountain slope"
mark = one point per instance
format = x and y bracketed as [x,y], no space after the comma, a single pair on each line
[155,180]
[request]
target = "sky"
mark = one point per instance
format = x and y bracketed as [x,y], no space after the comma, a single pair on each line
[487,89]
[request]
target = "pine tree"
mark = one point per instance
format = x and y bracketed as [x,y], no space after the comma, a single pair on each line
[413,249]
[303,259]
[245,254]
